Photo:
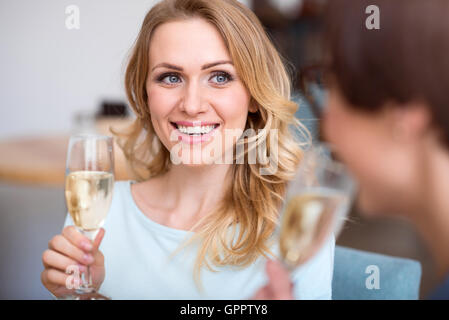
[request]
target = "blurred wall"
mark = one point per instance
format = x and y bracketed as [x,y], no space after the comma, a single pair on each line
[48,71]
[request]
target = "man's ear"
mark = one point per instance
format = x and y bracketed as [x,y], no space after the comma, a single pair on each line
[410,121]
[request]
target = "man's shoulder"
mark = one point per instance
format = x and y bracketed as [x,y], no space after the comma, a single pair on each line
[442,291]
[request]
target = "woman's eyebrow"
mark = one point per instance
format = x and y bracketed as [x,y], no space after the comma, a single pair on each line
[167,65]
[204,67]
[213,64]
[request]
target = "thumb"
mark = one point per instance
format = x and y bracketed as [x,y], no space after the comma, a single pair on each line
[98,239]
[279,278]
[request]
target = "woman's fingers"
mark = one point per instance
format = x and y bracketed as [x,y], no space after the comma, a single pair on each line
[98,256]
[55,277]
[60,283]
[56,260]
[77,239]
[98,239]
[60,244]
[67,257]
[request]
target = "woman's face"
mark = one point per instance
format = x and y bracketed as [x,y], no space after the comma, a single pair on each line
[365,142]
[194,92]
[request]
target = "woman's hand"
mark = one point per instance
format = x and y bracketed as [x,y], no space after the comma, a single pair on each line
[279,286]
[66,252]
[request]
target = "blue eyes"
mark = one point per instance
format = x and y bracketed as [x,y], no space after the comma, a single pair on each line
[219,78]
[172,79]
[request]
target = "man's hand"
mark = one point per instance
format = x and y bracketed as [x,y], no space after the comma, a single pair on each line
[279,286]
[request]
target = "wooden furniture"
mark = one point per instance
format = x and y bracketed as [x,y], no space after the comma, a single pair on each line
[40,160]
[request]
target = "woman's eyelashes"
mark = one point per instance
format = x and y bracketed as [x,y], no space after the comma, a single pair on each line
[221,77]
[169,78]
[218,78]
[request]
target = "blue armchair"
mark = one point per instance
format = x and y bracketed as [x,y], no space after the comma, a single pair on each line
[361,275]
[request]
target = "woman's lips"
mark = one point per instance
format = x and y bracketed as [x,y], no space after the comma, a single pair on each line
[193,139]
[195,123]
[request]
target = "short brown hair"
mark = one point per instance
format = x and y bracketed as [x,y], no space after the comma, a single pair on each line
[407,59]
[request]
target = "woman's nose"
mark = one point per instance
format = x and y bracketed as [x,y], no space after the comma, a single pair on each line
[193,101]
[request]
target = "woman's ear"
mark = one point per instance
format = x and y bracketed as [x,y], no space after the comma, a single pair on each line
[253,106]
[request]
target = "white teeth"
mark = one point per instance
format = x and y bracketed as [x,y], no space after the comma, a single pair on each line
[195,129]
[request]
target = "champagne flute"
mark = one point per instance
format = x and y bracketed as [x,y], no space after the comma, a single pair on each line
[88,191]
[317,202]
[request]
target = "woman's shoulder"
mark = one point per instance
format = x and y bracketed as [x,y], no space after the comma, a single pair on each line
[122,185]
[121,193]
[121,188]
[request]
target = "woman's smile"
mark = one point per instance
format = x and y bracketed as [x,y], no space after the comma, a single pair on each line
[194,132]
[194,91]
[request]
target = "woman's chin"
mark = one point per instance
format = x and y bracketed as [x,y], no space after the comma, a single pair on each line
[198,158]
[201,162]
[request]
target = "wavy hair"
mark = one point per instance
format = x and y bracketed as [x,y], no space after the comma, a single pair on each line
[239,230]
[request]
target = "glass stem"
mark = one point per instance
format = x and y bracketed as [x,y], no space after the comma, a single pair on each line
[86,286]
[89,278]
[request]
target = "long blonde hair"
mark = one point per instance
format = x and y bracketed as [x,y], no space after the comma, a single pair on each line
[252,200]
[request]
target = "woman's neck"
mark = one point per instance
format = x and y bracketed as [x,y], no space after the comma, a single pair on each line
[433,219]
[194,190]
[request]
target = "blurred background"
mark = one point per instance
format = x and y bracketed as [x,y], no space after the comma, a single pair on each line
[58,79]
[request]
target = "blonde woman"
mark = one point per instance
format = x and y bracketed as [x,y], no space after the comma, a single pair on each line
[203,229]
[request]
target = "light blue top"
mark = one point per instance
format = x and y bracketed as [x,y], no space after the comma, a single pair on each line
[138,265]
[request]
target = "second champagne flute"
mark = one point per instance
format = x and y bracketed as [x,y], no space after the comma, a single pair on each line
[316,205]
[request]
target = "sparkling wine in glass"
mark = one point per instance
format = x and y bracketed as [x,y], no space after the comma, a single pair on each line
[317,202]
[88,191]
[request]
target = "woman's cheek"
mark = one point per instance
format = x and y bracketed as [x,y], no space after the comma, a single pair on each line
[232,108]
[160,101]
